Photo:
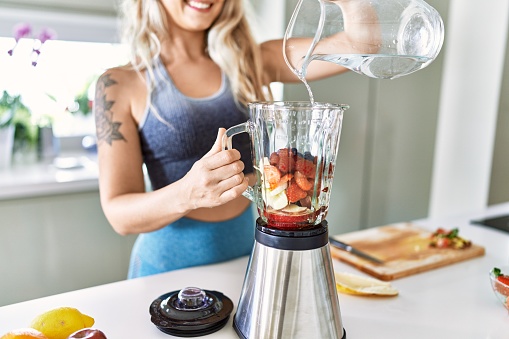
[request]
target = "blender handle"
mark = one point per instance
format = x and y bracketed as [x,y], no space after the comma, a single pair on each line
[227,144]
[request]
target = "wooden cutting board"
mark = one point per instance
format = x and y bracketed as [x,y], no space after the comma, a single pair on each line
[403,247]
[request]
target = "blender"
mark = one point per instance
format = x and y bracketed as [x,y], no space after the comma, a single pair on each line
[289,289]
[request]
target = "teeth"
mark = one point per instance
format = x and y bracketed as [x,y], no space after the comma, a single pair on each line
[199,5]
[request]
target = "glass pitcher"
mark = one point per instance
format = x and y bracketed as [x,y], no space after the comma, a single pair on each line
[383,39]
[294,148]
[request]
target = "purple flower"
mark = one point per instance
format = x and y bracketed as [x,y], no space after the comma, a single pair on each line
[46,34]
[22,30]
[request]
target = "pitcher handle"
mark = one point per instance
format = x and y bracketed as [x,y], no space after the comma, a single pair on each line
[227,144]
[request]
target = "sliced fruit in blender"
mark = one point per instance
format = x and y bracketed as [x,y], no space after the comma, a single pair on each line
[286,162]
[288,183]
[274,159]
[272,175]
[303,181]
[306,167]
[277,201]
[278,189]
[292,208]
[294,192]
[306,202]
[283,183]
[276,218]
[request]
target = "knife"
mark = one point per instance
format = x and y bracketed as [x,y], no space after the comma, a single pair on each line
[345,247]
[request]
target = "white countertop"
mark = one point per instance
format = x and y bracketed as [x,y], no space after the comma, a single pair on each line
[64,174]
[455,301]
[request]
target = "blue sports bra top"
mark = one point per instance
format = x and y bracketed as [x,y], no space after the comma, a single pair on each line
[177,130]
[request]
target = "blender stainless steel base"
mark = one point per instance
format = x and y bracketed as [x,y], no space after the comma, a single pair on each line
[289,290]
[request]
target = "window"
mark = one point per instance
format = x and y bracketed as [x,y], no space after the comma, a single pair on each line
[65,70]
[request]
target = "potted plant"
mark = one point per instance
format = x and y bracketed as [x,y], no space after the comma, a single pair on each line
[16,129]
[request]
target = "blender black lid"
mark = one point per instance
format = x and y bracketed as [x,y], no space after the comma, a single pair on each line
[191,312]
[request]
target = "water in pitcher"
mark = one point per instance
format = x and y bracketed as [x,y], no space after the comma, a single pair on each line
[377,66]
[382,39]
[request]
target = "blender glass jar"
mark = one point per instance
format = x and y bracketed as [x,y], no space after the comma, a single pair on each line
[294,149]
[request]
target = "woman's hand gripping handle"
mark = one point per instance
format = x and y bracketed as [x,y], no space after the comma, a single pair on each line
[227,144]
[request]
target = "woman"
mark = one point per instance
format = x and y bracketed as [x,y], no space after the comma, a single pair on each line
[194,67]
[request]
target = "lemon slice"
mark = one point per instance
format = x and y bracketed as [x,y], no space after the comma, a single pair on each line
[358,285]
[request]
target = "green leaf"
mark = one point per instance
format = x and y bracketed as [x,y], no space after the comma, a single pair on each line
[453,233]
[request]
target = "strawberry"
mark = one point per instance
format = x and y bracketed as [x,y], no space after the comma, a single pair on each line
[306,167]
[302,181]
[294,192]
[285,152]
[274,159]
[286,163]
[272,175]
[286,177]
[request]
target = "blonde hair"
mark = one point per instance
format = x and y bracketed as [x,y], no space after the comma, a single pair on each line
[230,44]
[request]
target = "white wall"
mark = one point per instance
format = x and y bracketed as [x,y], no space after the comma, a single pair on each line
[469,106]
[499,187]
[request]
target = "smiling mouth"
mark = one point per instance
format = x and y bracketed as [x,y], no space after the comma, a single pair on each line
[199,5]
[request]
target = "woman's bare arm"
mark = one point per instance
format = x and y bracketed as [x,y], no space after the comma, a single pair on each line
[361,35]
[214,180]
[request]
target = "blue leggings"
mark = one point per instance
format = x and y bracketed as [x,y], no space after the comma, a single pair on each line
[188,242]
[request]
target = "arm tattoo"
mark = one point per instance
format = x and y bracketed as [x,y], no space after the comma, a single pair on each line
[107,129]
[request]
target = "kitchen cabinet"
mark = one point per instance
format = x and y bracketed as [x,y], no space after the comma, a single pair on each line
[55,243]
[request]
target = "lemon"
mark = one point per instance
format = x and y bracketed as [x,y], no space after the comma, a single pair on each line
[24,333]
[60,322]
[359,285]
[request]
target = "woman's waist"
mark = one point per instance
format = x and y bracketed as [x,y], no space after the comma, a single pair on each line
[223,212]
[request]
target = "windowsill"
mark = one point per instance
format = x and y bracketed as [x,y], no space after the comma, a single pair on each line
[70,173]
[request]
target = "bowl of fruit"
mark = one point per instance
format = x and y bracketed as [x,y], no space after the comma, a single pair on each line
[499,278]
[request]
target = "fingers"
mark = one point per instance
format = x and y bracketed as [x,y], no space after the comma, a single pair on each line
[217,157]
[217,177]
[208,192]
[234,191]
[213,171]
[218,144]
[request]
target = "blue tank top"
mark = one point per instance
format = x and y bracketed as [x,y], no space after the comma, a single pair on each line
[183,129]
[170,149]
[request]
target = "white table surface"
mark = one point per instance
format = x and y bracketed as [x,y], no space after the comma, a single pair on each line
[455,301]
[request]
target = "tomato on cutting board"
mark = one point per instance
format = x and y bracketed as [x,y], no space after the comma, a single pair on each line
[443,238]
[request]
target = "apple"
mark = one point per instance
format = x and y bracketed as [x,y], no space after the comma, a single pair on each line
[88,333]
